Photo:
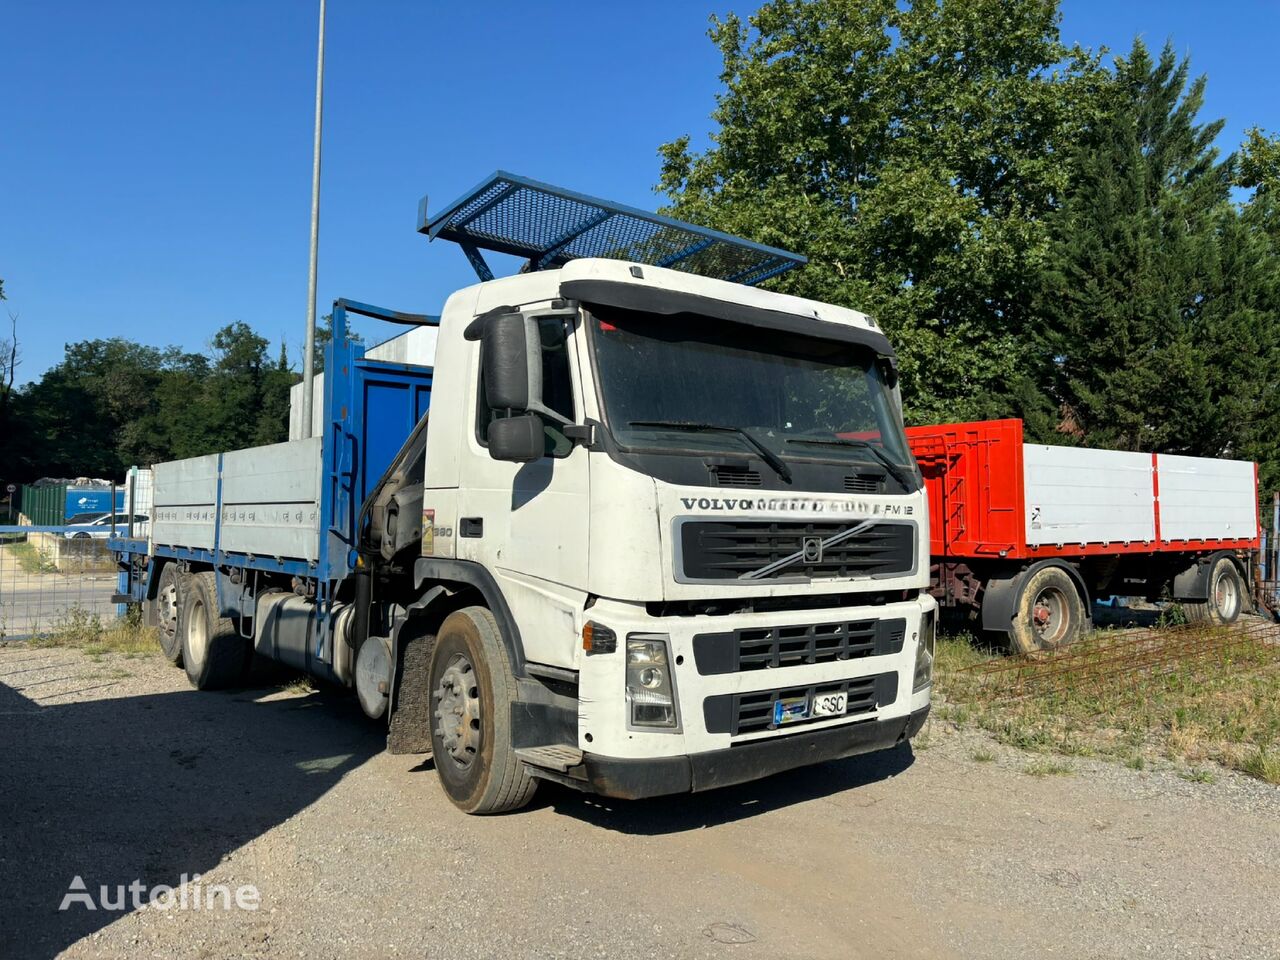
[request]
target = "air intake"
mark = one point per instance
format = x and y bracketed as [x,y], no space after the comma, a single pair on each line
[735,477]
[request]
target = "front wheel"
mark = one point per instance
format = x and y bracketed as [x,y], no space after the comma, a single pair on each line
[472,688]
[1050,613]
[1225,595]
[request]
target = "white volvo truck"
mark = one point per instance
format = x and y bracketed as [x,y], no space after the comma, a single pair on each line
[636,526]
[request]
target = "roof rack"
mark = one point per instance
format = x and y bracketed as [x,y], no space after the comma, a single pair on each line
[550,226]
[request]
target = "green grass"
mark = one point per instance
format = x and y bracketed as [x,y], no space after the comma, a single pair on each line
[1045,767]
[86,632]
[31,560]
[1219,708]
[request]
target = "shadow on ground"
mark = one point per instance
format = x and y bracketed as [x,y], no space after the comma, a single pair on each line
[677,814]
[149,788]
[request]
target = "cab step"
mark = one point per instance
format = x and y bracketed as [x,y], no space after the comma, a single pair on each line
[554,756]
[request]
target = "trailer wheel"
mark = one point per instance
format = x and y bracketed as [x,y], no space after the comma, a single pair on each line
[1049,614]
[162,612]
[472,689]
[1225,595]
[213,652]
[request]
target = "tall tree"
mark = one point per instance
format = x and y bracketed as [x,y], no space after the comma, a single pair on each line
[911,150]
[1159,328]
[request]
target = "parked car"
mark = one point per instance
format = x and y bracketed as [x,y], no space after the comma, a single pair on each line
[100,529]
[83,519]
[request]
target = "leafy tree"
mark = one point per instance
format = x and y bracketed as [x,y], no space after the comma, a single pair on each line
[1259,161]
[911,151]
[1158,308]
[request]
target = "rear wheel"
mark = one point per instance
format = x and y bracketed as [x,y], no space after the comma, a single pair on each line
[162,612]
[213,652]
[1050,613]
[472,687]
[1225,595]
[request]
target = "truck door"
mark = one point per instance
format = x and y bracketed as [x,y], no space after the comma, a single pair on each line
[528,522]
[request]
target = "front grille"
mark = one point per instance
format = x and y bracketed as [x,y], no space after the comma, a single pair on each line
[737,713]
[735,476]
[760,648]
[727,550]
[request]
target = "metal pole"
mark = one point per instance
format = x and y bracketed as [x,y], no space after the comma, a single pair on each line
[308,353]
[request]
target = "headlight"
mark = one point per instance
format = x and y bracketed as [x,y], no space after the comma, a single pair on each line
[650,685]
[924,652]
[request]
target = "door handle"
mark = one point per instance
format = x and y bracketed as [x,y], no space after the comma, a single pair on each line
[471,527]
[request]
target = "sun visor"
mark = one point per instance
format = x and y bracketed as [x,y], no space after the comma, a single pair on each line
[651,299]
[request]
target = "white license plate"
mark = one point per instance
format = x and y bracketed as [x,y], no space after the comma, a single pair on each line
[829,705]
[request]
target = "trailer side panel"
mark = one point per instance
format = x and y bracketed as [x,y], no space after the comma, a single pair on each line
[1203,499]
[1079,496]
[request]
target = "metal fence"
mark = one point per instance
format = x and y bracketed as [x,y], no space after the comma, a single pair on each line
[53,578]
[59,577]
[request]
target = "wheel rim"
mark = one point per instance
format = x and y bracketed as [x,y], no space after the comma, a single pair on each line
[167,604]
[197,633]
[457,713]
[1051,616]
[1226,596]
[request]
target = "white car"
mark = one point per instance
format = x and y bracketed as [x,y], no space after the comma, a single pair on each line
[101,528]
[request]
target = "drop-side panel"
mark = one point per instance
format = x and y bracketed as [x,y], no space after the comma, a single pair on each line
[1075,495]
[271,500]
[186,496]
[1203,499]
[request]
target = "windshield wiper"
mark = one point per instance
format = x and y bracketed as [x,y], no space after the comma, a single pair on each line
[767,455]
[894,468]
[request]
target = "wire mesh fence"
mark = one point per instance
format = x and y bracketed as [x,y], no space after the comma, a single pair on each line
[1119,656]
[51,575]
[55,577]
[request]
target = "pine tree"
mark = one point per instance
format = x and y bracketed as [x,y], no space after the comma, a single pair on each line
[1149,301]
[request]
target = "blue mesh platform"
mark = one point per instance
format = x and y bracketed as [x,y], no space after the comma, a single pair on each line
[549,226]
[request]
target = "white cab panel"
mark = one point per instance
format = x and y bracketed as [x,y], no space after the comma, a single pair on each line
[1203,499]
[1075,495]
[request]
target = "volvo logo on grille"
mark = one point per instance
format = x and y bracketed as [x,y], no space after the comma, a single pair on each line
[812,549]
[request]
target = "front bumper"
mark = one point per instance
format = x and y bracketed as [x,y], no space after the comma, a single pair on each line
[634,779]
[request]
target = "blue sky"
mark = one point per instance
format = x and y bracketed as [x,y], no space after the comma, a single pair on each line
[155,157]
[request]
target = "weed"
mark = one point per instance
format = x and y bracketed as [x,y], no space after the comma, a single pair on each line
[1198,776]
[983,755]
[1048,768]
[86,632]
[30,559]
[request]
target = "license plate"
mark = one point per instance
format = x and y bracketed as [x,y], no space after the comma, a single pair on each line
[829,705]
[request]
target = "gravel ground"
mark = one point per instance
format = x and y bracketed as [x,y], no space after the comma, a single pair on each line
[115,770]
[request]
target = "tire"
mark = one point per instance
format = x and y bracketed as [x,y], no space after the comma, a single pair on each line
[213,652]
[162,612]
[1225,600]
[472,689]
[1050,613]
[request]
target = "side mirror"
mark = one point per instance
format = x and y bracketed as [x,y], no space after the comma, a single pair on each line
[510,352]
[517,439]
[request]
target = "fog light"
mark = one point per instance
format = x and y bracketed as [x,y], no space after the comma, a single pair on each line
[650,685]
[924,652]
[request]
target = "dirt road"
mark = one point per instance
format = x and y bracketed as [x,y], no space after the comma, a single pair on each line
[116,771]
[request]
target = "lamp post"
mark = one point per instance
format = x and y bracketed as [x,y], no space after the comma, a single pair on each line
[308,353]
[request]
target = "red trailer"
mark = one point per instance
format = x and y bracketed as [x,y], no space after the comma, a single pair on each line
[1026,536]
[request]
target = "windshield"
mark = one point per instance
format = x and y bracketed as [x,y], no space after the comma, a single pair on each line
[692,382]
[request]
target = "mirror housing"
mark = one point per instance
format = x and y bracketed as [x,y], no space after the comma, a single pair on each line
[510,352]
[517,439]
